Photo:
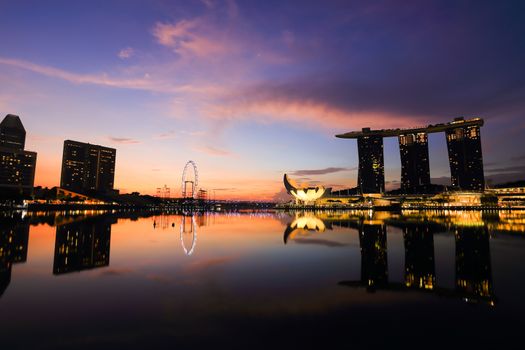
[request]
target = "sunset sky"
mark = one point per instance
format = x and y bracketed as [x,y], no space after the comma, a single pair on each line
[251,90]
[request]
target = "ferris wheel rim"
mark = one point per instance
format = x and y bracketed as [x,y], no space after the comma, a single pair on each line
[195,183]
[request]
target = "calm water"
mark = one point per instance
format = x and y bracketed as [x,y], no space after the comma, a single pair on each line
[260,280]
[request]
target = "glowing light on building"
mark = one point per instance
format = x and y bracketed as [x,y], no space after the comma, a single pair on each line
[304,195]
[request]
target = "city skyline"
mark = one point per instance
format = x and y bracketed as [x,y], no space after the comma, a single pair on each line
[251,91]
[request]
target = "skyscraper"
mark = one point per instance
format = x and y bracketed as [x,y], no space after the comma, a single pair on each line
[17,166]
[465,158]
[12,133]
[464,151]
[415,168]
[371,173]
[87,167]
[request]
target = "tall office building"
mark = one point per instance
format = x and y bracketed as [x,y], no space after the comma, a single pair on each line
[87,167]
[415,168]
[17,166]
[465,158]
[464,151]
[371,173]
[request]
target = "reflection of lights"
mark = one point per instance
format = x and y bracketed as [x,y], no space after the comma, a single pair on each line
[309,222]
[193,231]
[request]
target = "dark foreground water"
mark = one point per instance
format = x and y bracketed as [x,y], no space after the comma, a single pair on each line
[92,280]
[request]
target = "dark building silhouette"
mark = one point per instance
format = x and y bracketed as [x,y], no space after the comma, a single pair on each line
[17,166]
[82,245]
[415,168]
[464,150]
[420,270]
[374,263]
[371,173]
[87,167]
[14,239]
[465,158]
[12,133]
[473,266]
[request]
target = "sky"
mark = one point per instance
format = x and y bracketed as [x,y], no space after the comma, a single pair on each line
[251,90]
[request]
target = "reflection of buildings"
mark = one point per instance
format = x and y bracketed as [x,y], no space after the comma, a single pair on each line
[473,269]
[303,224]
[419,256]
[17,166]
[14,239]
[87,167]
[464,149]
[202,219]
[374,264]
[82,245]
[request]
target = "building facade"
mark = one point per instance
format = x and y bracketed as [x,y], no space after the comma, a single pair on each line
[464,150]
[371,172]
[87,167]
[415,166]
[17,166]
[465,158]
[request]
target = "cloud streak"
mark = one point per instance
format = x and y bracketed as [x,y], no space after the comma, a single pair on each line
[324,171]
[126,53]
[145,83]
[123,140]
[192,38]
[213,151]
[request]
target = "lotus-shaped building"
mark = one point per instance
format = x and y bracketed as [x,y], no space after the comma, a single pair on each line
[304,195]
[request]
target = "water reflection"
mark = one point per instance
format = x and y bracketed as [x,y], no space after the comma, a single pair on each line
[188,231]
[188,223]
[82,245]
[473,273]
[303,223]
[14,239]
[420,270]
[82,241]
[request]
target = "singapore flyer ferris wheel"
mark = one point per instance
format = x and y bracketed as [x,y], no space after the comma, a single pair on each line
[189,184]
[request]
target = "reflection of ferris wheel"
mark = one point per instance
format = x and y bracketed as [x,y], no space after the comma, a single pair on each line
[189,193]
[186,228]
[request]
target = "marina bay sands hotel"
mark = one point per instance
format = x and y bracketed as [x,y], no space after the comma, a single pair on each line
[464,154]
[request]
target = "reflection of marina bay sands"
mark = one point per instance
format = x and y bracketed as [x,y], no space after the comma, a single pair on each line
[472,254]
[464,152]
